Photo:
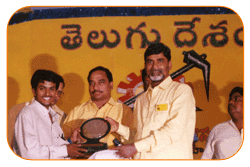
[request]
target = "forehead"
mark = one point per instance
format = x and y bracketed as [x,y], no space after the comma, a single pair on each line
[97,75]
[236,94]
[156,56]
[47,84]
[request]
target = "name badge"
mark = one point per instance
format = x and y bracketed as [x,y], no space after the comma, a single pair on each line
[162,107]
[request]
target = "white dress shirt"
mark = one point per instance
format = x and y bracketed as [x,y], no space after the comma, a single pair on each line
[36,137]
[224,141]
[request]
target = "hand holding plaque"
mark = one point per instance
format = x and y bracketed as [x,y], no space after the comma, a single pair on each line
[93,130]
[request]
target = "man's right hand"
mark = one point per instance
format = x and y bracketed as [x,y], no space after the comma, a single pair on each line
[75,151]
[113,123]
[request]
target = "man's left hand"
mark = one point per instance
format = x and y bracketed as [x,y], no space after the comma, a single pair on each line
[126,150]
[76,137]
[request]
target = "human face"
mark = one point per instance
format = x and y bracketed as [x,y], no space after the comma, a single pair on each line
[45,93]
[157,67]
[59,93]
[99,86]
[235,105]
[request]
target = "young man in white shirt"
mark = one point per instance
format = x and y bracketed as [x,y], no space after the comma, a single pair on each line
[38,134]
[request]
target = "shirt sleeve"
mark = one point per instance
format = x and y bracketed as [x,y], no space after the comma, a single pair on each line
[181,109]
[126,127]
[124,132]
[209,149]
[27,144]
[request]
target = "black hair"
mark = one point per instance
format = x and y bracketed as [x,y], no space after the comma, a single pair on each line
[108,73]
[60,78]
[157,48]
[44,75]
[236,89]
[143,74]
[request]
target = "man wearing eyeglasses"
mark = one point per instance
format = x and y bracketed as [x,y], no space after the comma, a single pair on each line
[58,95]
[225,139]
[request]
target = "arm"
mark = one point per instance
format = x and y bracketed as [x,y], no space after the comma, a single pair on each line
[209,150]
[71,122]
[125,128]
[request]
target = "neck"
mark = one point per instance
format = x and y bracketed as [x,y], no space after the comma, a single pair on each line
[238,123]
[100,103]
[154,84]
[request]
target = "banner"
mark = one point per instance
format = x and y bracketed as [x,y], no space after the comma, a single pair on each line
[73,46]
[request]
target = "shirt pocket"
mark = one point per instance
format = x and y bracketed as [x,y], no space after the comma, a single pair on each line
[161,114]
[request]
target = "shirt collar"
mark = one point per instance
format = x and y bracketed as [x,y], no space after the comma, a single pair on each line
[111,102]
[234,126]
[57,110]
[44,110]
[54,107]
[164,84]
[41,107]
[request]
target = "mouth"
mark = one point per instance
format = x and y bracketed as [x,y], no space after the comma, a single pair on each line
[96,91]
[156,72]
[156,75]
[47,98]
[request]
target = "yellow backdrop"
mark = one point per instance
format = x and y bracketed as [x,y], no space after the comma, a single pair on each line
[39,44]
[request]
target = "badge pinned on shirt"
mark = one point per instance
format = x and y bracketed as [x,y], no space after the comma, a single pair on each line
[162,107]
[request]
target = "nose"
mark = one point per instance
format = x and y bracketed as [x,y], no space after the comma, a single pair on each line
[94,86]
[155,65]
[230,101]
[47,92]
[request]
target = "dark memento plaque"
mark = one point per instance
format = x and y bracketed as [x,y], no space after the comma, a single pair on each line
[93,130]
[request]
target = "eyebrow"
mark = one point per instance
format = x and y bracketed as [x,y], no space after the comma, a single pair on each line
[237,96]
[43,86]
[101,80]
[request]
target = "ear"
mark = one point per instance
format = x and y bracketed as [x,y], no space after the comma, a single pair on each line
[34,92]
[111,85]
[170,65]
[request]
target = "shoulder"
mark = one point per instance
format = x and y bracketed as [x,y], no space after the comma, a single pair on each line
[181,87]
[221,127]
[181,91]
[126,108]
[58,110]
[27,112]
[14,110]
[81,106]
[142,96]
[77,110]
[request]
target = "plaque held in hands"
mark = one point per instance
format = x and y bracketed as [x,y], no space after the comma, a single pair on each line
[93,130]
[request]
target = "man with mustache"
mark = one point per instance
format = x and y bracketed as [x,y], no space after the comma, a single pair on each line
[100,105]
[164,114]
[225,139]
